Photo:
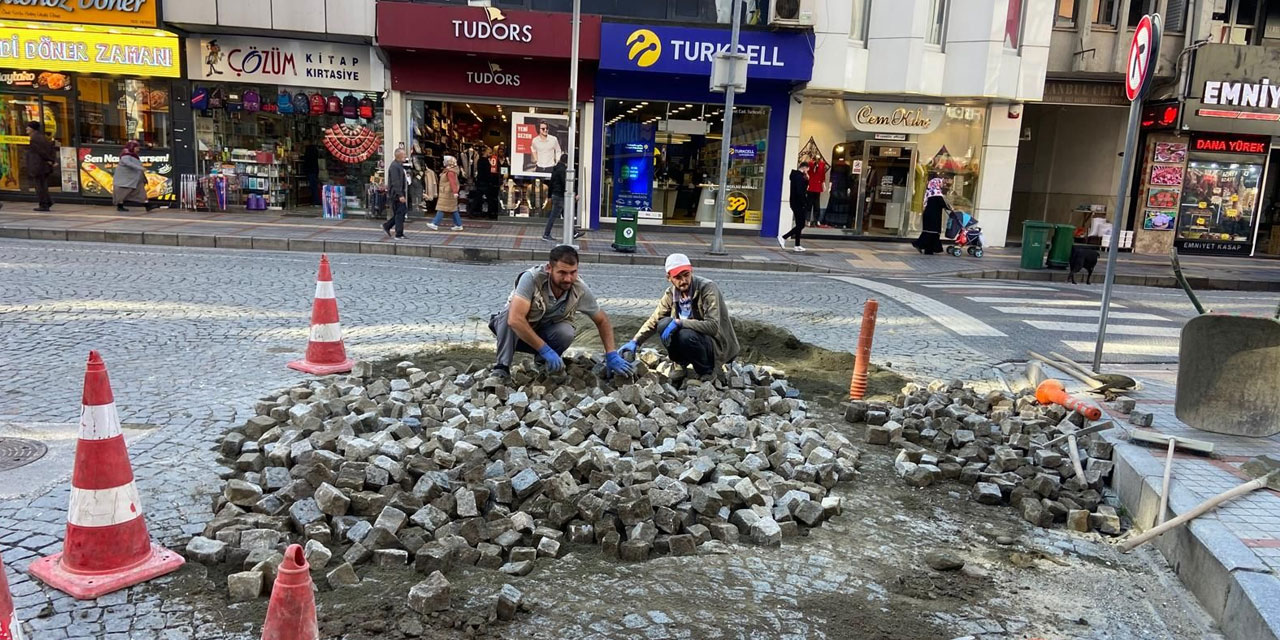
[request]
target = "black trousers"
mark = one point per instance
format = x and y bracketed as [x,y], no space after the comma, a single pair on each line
[558,335]
[398,211]
[41,184]
[491,196]
[815,206]
[688,347]
[798,214]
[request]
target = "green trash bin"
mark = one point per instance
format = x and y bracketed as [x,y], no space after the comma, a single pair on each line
[1064,237]
[1035,239]
[624,232]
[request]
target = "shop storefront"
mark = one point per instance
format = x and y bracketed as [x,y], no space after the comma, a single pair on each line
[879,156]
[1206,190]
[661,128]
[285,124]
[94,84]
[490,88]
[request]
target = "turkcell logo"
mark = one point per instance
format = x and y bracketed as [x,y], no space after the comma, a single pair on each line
[644,47]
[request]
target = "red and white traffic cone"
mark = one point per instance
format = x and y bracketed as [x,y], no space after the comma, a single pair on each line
[107,547]
[291,614]
[325,352]
[10,628]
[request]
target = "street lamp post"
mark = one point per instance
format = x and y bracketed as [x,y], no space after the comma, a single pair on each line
[726,140]
[571,174]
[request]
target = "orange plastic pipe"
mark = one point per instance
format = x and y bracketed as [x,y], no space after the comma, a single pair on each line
[1052,392]
[858,385]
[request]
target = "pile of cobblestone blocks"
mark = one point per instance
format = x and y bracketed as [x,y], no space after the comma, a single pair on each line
[448,468]
[1008,448]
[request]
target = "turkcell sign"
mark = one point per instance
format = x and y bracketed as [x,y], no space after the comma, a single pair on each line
[770,55]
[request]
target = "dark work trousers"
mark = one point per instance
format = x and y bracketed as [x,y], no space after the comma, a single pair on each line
[398,212]
[43,199]
[559,335]
[491,196]
[815,206]
[688,347]
[557,209]
[798,214]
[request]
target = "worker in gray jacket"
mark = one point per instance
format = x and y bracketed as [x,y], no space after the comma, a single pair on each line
[692,319]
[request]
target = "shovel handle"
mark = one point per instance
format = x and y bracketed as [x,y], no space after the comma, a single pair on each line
[1199,510]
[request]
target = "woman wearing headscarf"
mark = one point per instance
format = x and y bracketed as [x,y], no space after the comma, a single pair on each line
[130,179]
[930,240]
[447,200]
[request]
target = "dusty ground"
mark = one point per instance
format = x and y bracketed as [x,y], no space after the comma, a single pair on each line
[861,575]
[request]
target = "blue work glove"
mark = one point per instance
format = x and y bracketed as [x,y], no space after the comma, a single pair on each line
[628,347]
[554,363]
[671,328]
[617,365]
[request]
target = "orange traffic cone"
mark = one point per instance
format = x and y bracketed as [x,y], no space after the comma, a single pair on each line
[325,351]
[10,628]
[1052,392]
[107,547]
[291,614]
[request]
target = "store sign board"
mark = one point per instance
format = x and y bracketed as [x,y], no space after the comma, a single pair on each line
[294,63]
[1215,247]
[98,166]
[50,80]
[87,49]
[511,79]
[771,55]
[487,30]
[895,117]
[1082,92]
[120,13]
[1219,143]
[1234,89]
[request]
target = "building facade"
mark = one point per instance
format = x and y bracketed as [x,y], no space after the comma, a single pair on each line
[93,79]
[907,91]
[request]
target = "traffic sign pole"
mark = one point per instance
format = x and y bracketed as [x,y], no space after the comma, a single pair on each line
[1144,53]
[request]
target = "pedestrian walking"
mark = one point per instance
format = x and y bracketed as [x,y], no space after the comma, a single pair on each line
[42,159]
[935,202]
[799,205]
[447,195]
[559,177]
[398,194]
[129,184]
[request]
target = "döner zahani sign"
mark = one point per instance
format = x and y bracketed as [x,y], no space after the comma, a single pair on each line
[295,63]
[87,49]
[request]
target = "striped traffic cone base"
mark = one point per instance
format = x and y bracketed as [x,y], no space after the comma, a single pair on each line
[326,353]
[10,628]
[107,546]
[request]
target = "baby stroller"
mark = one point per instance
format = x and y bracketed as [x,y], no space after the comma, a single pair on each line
[963,231]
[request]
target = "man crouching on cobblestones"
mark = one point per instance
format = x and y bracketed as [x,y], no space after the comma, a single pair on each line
[693,321]
[539,314]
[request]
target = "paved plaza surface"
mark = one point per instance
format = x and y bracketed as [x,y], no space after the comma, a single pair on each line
[193,336]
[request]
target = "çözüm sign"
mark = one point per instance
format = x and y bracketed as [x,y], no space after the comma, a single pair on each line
[893,117]
[295,63]
[89,49]
[123,13]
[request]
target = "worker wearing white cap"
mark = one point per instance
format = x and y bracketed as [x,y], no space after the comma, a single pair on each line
[692,319]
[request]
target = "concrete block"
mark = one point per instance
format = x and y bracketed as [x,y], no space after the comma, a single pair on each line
[271,244]
[341,246]
[299,244]
[1254,603]
[380,248]
[160,238]
[84,235]
[231,242]
[47,234]
[197,240]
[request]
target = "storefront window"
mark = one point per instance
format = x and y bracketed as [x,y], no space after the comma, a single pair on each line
[952,151]
[16,110]
[114,111]
[1219,199]
[663,159]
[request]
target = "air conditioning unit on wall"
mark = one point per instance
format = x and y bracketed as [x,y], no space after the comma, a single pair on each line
[791,13]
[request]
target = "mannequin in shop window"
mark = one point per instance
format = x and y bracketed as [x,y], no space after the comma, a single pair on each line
[839,204]
[489,183]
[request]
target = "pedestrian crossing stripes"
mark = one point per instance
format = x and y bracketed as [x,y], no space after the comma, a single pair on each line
[1079,313]
[1050,302]
[1125,349]
[949,317]
[1112,329]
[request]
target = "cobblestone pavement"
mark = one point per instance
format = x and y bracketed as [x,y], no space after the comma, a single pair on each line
[192,337]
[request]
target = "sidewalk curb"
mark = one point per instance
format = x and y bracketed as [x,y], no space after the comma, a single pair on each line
[1228,579]
[1166,282]
[463,254]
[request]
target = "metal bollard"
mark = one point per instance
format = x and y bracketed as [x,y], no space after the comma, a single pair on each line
[858,386]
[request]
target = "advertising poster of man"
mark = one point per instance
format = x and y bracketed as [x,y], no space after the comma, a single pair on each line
[540,140]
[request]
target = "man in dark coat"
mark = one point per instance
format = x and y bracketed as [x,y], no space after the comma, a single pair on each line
[489,183]
[398,194]
[42,159]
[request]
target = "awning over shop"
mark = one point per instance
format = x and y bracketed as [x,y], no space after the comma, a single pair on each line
[131,51]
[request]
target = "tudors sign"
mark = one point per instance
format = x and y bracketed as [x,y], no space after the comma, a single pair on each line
[484,30]
[1234,89]
[894,117]
[119,13]
[294,63]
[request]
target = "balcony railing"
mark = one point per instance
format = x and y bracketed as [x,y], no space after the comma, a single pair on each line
[666,10]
